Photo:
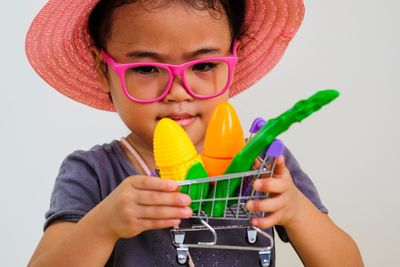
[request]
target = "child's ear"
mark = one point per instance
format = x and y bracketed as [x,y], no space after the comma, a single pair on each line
[101,69]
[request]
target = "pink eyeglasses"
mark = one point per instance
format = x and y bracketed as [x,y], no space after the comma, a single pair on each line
[147,82]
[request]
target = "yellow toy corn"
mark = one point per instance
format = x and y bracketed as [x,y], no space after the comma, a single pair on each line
[174,152]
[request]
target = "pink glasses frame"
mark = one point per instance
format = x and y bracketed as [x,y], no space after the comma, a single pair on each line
[173,71]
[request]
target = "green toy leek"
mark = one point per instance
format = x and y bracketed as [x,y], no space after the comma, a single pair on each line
[244,160]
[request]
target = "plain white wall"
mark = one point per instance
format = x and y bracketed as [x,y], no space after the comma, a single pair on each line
[350,148]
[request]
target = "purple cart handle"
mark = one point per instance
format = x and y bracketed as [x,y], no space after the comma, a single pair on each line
[256,125]
[275,149]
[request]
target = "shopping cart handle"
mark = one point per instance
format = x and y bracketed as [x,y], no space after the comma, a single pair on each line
[275,149]
[256,125]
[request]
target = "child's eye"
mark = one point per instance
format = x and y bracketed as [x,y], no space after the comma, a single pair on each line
[206,66]
[145,70]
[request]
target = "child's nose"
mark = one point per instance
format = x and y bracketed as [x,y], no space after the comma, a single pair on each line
[177,93]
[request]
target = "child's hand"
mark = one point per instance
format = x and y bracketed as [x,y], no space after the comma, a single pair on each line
[282,202]
[143,203]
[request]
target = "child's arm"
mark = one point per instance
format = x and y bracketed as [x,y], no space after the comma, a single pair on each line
[138,204]
[317,240]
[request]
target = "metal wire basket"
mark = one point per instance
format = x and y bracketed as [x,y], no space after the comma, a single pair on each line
[235,210]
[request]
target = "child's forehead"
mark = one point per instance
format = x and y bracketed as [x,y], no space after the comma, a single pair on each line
[135,25]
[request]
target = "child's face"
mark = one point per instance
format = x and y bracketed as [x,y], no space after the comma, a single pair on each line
[169,35]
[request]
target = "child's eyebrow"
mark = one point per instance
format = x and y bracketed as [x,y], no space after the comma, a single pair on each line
[150,54]
[203,51]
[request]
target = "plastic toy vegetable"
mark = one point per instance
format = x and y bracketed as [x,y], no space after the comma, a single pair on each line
[244,160]
[174,152]
[223,140]
[196,191]
[175,156]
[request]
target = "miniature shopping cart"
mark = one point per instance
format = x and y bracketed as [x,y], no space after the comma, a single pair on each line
[234,210]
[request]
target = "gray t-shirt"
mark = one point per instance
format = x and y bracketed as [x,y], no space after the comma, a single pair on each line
[87,177]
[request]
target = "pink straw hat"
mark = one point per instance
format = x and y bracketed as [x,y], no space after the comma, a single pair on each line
[58,42]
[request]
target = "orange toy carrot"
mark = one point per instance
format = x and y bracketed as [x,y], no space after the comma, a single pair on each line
[224,139]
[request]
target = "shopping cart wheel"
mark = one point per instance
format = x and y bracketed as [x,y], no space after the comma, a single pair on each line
[265,258]
[182,255]
[251,235]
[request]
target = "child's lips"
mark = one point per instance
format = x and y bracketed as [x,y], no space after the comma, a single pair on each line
[183,119]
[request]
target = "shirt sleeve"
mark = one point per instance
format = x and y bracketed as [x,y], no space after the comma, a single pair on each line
[76,190]
[305,185]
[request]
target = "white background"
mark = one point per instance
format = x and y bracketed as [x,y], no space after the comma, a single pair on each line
[350,148]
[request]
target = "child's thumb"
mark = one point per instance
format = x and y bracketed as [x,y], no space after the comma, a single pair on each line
[280,167]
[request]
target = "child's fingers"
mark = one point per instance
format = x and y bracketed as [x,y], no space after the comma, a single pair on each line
[152,183]
[257,163]
[159,212]
[266,205]
[280,167]
[156,198]
[150,224]
[268,221]
[271,185]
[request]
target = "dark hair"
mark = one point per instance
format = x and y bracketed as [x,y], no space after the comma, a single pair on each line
[100,19]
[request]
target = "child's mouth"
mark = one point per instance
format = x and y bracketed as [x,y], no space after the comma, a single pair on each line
[183,119]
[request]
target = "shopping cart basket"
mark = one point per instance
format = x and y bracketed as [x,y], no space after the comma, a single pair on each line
[235,210]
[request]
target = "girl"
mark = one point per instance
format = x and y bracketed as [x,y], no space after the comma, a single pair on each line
[106,209]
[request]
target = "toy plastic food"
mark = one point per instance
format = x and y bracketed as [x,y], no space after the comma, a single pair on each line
[245,158]
[174,152]
[176,157]
[223,140]
[196,191]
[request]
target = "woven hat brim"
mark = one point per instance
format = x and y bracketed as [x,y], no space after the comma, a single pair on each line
[270,26]
[58,46]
